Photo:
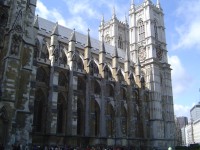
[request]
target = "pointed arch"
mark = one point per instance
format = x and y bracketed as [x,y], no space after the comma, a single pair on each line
[61,113]
[155,29]
[78,62]
[108,73]
[63,57]
[39,111]
[93,67]
[81,84]
[95,118]
[120,75]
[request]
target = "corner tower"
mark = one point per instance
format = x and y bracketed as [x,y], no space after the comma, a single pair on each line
[116,33]
[148,43]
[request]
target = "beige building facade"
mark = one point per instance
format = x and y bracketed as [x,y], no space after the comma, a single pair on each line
[61,87]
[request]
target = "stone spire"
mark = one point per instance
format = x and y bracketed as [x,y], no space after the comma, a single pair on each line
[55,30]
[73,36]
[36,24]
[114,14]
[88,43]
[102,20]
[102,52]
[158,4]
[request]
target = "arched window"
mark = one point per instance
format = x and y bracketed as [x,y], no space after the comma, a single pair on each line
[61,111]
[62,80]
[155,30]
[39,111]
[63,58]
[78,63]
[120,42]
[95,118]
[108,74]
[110,90]
[93,68]
[141,30]
[111,120]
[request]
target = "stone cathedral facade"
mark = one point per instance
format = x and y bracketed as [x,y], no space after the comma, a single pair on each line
[58,86]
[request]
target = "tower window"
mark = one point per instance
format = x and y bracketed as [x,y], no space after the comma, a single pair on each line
[141,30]
[120,42]
[155,30]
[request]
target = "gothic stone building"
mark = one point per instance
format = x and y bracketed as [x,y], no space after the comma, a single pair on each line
[58,86]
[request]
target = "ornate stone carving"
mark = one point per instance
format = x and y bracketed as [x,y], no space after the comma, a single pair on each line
[159,53]
[142,53]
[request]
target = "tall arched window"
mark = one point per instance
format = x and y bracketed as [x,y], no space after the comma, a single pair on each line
[141,30]
[123,93]
[93,68]
[155,30]
[39,111]
[108,73]
[37,48]
[61,111]
[120,42]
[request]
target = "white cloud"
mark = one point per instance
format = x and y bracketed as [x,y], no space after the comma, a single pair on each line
[54,15]
[179,76]
[188,31]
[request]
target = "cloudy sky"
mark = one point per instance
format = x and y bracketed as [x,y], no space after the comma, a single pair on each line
[182,22]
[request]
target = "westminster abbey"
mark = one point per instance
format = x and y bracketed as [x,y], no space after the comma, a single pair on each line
[60,87]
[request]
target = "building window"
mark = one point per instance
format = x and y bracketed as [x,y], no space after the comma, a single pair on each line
[39,111]
[141,30]
[97,88]
[155,30]
[110,120]
[80,118]
[108,73]
[95,118]
[110,90]
[120,42]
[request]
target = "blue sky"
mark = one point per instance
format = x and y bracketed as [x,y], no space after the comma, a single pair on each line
[182,22]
